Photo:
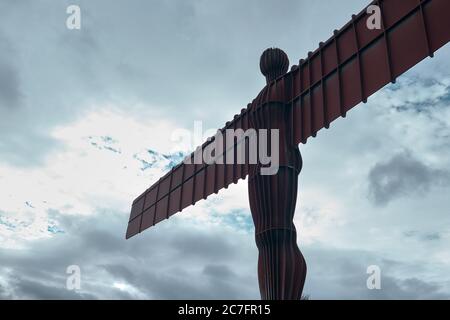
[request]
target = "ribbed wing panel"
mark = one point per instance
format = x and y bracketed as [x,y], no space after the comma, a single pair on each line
[357,62]
[186,184]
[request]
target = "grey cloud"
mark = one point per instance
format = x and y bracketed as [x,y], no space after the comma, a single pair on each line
[23,145]
[158,268]
[424,289]
[150,58]
[341,274]
[218,271]
[411,288]
[4,294]
[423,236]
[10,94]
[9,86]
[425,95]
[403,175]
[432,236]
[410,233]
[152,263]
[196,245]
[29,289]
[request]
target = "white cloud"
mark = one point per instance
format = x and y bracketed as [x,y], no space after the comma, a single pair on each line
[86,174]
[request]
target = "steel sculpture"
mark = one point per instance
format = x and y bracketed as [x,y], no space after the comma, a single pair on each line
[345,70]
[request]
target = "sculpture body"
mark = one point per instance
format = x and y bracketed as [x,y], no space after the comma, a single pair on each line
[281,266]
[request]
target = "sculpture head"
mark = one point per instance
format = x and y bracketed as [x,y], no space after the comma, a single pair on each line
[274,63]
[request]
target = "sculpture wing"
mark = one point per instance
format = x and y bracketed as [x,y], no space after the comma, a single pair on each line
[186,184]
[344,71]
[357,62]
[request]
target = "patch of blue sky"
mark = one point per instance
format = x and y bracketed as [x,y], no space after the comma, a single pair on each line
[237,219]
[174,159]
[7,224]
[54,229]
[104,143]
[146,163]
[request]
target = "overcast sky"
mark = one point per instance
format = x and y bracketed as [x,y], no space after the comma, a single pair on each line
[80,110]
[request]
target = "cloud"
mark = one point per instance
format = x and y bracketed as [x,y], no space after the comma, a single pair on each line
[403,175]
[419,94]
[218,271]
[154,266]
[423,236]
[176,260]
[29,289]
[342,274]
[10,92]
[173,261]
[9,86]
[129,57]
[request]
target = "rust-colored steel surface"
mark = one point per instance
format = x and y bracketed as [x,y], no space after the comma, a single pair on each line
[281,266]
[344,71]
